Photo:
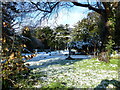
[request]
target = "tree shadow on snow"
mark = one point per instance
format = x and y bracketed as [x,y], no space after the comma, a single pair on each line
[56,62]
[104,84]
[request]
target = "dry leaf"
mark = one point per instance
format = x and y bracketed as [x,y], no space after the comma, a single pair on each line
[12,56]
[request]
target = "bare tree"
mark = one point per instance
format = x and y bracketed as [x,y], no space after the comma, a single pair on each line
[45,10]
[105,9]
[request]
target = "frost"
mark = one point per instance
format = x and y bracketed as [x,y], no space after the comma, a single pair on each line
[57,69]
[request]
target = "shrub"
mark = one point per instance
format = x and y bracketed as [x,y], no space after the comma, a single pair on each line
[13,67]
[12,71]
[103,56]
[109,47]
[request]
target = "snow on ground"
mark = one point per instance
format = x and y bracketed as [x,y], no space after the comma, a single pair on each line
[58,69]
[44,59]
[71,73]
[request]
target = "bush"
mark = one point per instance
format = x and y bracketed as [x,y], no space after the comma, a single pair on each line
[103,56]
[104,84]
[13,68]
[109,47]
[12,71]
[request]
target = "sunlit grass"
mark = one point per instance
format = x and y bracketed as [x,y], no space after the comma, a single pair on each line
[79,74]
[87,73]
[96,65]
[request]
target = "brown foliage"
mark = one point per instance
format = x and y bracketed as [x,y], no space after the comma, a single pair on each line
[103,56]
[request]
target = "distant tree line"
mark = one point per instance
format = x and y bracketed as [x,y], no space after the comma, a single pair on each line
[54,39]
[86,30]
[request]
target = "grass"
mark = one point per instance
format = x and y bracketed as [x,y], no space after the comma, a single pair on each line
[97,65]
[80,74]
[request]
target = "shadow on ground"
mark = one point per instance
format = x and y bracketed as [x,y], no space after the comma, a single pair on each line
[104,83]
[56,62]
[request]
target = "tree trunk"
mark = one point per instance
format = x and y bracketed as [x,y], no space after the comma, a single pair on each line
[69,51]
[69,56]
[117,26]
[104,30]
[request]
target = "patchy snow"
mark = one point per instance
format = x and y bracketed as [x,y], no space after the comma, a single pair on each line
[73,75]
[78,44]
[55,68]
[43,59]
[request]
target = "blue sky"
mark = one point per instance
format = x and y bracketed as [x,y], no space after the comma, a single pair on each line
[70,17]
[76,14]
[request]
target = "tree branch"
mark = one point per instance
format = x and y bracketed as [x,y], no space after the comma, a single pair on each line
[98,10]
[48,11]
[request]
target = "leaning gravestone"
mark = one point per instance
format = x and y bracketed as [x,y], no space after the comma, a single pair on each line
[103,56]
